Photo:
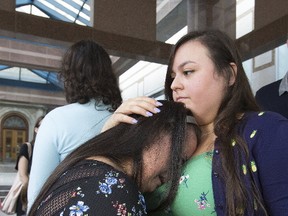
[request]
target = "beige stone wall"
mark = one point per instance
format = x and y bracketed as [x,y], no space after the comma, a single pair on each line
[30,112]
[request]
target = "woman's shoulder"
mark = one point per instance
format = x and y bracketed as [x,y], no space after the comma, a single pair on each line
[263,118]
[23,152]
[80,109]
[63,109]
[263,124]
[92,187]
[24,148]
[97,179]
[92,169]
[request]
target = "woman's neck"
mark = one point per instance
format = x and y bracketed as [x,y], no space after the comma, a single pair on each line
[207,139]
[207,129]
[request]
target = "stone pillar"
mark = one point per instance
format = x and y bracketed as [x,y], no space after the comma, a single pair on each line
[134,18]
[267,11]
[8,5]
[215,14]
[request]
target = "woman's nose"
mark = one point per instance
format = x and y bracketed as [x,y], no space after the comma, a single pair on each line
[176,84]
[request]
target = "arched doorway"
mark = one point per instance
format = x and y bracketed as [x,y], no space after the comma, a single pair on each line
[14,133]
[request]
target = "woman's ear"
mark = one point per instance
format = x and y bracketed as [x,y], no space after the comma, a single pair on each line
[233,77]
[36,129]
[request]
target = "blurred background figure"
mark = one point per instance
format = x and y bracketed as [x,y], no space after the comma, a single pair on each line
[274,96]
[23,165]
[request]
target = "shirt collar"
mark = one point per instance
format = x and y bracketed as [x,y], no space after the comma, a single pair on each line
[283,85]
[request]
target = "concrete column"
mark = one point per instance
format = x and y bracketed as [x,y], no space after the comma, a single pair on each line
[8,5]
[134,18]
[267,11]
[216,14]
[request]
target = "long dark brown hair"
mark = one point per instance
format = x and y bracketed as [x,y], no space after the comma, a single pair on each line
[87,74]
[237,100]
[37,125]
[126,141]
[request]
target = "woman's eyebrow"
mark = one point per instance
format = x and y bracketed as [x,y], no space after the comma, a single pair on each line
[186,62]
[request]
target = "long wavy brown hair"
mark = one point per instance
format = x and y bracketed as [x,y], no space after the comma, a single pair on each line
[87,74]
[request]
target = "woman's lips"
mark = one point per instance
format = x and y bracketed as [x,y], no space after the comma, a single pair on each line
[179,99]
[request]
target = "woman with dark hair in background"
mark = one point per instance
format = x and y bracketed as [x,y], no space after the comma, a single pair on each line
[106,175]
[92,94]
[23,165]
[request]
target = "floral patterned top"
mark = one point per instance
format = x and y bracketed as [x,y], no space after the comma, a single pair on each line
[195,193]
[195,187]
[93,188]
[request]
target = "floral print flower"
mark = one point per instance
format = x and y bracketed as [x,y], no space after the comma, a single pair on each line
[121,208]
[142,202]
[105,188]
[79,209]
[184,179]
[202,202]
[111,180]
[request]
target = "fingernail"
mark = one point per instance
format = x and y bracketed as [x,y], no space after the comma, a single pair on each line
[159,103]
[134,121]
[149,114]
[157,110]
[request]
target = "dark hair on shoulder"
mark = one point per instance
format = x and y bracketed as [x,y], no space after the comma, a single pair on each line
[87,74]
[37,125]
[237,100]
[128,141]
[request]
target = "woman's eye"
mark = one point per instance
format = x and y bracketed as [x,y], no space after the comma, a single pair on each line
[188,72]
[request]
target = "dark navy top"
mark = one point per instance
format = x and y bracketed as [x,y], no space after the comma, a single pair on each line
[266,134]
[268,99]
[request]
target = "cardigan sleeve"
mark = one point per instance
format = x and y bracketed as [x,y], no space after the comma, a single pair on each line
[271,157]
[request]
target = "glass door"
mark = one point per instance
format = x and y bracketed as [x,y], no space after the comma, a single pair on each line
[12,139]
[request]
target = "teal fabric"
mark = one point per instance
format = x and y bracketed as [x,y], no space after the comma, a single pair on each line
[195,194]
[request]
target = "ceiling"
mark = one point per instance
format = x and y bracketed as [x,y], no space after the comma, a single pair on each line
[65,10]
[171,17]
[71,11]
